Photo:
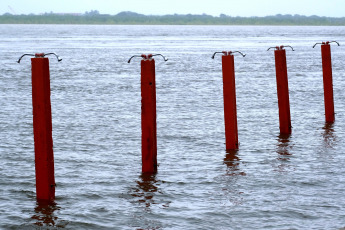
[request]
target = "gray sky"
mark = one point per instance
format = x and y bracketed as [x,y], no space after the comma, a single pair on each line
[331,8]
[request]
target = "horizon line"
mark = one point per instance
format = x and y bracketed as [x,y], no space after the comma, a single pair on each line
[96,12]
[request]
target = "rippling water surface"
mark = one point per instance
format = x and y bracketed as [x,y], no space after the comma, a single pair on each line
[272,182]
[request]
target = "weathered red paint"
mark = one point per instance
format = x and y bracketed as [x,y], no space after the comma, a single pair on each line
[148,116]
[42,122]
[283,91]
[229,95]
[327,82]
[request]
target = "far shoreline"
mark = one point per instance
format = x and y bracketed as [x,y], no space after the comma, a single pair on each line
[131,18]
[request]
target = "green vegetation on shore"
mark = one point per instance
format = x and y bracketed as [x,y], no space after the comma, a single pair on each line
[130,18]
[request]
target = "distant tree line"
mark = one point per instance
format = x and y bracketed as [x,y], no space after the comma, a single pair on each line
[131,18]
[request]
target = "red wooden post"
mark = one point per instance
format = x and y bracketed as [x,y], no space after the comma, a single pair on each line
[229,97]
[148,116]
[229,94]
[282,91]
[42,122]
[148,113]
[327,82]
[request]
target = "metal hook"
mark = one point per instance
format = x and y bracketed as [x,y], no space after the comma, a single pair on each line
[321,43]
[129,60]
[152,55]
[277,48]
[39,55]
[243,55]
[57,57]
[326,43]
[280,48]
[24,56]
[223,52]
[334,42]
[227,53]
[146,57]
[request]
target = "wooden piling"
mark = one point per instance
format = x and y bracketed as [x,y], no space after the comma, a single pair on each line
[282,91]
[327,82]
[229,96]
[148,116]
[42,125]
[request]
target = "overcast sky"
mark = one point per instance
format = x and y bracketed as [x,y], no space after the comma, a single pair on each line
[330,8]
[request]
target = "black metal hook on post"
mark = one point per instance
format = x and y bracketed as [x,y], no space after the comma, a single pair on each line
[152,55]
[326,43]
[57,57]
[280,48]
[147,57]
[40,55]
[225,53]
[243,55]
[134,56]
[277,48]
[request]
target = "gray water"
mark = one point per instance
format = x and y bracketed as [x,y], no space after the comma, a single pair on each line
[271,182]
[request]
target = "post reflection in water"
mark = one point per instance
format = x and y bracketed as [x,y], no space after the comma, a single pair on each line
[328,135]
[44,215]
[146,190]
[231,192]
[147,196]
[283,150]
[283,147]
[232,161]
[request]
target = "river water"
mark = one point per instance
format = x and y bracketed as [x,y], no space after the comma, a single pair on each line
[271,182]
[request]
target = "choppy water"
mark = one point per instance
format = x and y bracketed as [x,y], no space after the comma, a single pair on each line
[272,182]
